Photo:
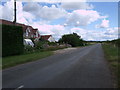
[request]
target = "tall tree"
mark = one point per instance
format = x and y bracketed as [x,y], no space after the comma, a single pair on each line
[72,39]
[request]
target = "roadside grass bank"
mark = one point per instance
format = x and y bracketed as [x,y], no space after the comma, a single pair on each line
[111,54]
[20,59]
[31,55]
[53,48]
[0,63]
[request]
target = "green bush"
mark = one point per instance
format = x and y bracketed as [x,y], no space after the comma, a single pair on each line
[28,49]
[12,40]
[40,45]
[52,43]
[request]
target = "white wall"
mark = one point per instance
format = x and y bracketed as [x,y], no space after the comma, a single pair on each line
[51,39]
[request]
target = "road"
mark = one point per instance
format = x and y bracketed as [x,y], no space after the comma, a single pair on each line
[81,68]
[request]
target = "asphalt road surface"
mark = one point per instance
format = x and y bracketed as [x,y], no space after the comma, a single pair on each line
[81,68]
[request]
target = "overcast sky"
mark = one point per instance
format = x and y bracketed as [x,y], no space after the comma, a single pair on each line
[92,21]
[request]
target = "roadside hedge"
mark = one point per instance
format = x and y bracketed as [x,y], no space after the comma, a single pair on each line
[12,40]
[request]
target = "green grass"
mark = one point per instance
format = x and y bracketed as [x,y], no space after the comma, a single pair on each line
[111,54]
[0,63]
[20,59]
[27,57]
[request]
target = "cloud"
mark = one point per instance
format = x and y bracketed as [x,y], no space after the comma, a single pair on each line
[32,7]
[76,5]
[45,12]
[86,34]
[7,11]
[107,34]
[51,13]
[112,31]
[75,18]
[23,16]
[104,24]
[56,30]
[82,17]
[29,13]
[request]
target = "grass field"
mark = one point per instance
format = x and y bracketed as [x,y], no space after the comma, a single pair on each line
[27,57]
[111,54]
[19,59]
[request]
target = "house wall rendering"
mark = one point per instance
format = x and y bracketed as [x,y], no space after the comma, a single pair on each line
[51,39]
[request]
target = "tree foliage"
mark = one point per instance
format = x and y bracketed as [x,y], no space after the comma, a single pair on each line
[72,39]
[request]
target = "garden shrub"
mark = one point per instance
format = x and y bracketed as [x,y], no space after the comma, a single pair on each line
[28,49]
[52,43]
[40,45]
[12,40]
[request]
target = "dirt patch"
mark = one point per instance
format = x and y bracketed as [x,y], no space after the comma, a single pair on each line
[64,50]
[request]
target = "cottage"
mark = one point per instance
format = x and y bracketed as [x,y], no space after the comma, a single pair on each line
[48,38]
[28,31]
[31,33]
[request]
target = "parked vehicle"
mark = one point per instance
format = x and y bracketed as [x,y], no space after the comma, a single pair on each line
[28,42]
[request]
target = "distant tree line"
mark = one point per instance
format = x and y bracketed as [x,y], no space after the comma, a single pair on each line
[115,42]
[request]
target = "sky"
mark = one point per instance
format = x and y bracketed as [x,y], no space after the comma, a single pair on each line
[96,21]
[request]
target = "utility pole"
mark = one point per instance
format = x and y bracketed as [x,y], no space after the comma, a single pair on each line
[14,12]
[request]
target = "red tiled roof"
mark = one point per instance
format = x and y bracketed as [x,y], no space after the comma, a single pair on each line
[45,37]
[11,23]
[32,31]
[30,27]
[17,24]
[6,22]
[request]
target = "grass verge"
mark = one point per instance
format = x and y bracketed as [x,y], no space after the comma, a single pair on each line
[111,54]
[20,59]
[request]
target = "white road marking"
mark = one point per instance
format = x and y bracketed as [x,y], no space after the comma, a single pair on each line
[19,87]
